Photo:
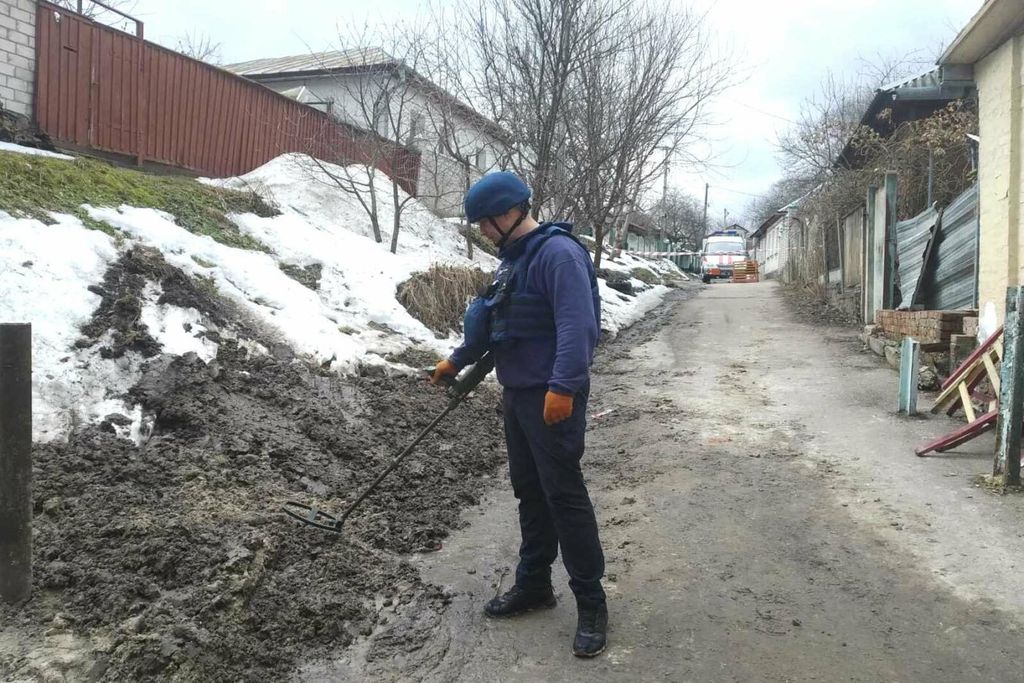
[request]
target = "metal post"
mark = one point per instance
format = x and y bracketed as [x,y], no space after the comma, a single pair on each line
[1011,390]
[931,176]
[910,368]
[15,462]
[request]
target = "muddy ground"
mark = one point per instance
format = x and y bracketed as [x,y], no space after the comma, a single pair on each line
[764,519]
[172,561]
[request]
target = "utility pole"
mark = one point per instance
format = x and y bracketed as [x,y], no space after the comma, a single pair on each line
[705,234]
[664,196]
[725,218]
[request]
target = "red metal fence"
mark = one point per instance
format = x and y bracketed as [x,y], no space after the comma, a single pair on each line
[103,89]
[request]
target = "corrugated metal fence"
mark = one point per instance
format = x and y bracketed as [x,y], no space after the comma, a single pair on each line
[912,237]
[103,89]
[938,255]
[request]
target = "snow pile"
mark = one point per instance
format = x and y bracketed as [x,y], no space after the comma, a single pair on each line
[46,270]
[31,151]
[306,191]
[351,320]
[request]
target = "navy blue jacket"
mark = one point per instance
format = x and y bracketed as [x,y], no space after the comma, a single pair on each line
[561,272]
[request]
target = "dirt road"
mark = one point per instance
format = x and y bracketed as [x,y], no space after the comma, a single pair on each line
[764,519]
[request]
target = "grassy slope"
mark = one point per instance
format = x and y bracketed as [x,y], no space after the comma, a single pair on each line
[32,186]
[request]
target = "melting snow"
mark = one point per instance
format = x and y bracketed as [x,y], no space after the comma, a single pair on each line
[353,318]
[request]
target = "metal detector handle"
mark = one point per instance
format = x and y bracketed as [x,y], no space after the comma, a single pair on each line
[471,379]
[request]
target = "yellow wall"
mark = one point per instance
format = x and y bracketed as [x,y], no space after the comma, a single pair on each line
[1001,246]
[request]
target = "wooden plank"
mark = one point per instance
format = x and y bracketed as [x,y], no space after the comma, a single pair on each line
[960,436]
[968,362]
[950,392]
[965,401]
[993,373]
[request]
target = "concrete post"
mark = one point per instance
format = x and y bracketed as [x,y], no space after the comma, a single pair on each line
[1011,390]
[15,462]
[910,369]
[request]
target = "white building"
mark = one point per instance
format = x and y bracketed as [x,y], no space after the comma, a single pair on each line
[770,243]
[372,90]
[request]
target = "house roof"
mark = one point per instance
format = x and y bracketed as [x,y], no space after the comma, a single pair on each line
[768,222]
[341,61]
[912,98]
[314,63]
[989,28]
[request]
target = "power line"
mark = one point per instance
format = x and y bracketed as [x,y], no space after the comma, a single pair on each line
[761,111]
[748,194]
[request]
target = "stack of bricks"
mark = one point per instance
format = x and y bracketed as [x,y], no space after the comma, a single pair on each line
[927,327]
[17,55]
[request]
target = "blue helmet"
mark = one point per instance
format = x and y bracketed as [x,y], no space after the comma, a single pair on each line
[494,194]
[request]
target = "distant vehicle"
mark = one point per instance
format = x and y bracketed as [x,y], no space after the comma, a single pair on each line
[721,250]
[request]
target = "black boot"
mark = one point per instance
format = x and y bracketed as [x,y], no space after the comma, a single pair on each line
[591,629]
[519,600]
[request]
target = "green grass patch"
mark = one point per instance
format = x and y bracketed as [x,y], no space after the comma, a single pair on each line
[32,186]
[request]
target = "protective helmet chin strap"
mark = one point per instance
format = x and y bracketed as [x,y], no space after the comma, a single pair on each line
[506,235]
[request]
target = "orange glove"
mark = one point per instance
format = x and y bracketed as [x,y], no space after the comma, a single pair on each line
[443,369]
[557,407]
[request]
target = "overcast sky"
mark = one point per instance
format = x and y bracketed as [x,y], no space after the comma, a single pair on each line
[784,46]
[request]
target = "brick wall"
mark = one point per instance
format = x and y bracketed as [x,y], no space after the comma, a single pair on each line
[927,327]
[17,54]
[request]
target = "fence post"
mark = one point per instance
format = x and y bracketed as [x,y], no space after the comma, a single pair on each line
[910,369]
[868,257]
[1011,390]
[15,462]
[891,217]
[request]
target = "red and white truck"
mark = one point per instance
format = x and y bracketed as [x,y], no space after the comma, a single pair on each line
[720,251]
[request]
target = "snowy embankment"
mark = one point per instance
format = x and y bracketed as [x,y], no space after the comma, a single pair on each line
[50,274]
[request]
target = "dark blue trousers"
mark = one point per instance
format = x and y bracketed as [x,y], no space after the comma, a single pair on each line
[554,506]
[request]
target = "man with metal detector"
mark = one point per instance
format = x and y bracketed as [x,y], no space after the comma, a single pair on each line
[540,320]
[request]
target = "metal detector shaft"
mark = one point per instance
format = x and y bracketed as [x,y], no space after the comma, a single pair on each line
[459,390]
[396,462]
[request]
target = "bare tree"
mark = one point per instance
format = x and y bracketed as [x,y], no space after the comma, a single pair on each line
[681,219]
[199,45]
[830,157]
[781,193]
[522,56]
[644,86]
[378,95]
[462,143]
[588,90]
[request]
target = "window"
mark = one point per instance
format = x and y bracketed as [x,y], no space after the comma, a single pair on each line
[729,247]
[415,127]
